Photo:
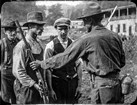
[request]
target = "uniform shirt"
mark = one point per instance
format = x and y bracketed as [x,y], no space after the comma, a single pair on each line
[101,51]
[20,60]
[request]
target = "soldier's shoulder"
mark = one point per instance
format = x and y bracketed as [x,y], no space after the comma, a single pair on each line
[112,32]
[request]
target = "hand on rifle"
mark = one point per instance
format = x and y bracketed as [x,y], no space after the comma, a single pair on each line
[38,87]
[35,64]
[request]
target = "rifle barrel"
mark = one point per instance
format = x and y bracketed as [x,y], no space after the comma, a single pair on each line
[111,15]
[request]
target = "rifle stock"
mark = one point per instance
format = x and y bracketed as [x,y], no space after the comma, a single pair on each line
[111,15]
[38,74]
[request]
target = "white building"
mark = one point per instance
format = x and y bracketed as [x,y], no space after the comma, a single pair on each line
[77,24]
[124,20]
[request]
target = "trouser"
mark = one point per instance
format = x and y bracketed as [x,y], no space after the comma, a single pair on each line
[65,91]
[26,94]
[7,91]
[106,91]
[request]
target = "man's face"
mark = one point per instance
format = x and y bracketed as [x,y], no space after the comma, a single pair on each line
[36,29]
[11,33]
[88,24]
[62,31]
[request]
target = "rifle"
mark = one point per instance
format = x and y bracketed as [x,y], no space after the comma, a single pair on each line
[41,82]
[111,15]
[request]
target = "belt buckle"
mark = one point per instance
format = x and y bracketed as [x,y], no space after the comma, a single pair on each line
[68,77]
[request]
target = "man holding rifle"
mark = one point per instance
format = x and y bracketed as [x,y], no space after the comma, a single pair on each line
[102,54]
[26,85]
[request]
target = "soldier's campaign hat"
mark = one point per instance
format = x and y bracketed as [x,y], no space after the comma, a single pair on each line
[62,22]
[91,9]
[9,24]
[34,17]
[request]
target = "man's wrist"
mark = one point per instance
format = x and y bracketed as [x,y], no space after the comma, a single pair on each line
[32,82]
[50,89]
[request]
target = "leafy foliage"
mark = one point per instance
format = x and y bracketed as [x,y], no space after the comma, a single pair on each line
[54,13]
[130,47]
[18,10]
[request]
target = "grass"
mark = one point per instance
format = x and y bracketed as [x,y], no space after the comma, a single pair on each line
[130,47]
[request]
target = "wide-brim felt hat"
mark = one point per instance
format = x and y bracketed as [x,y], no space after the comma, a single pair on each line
[34,17]
[62,22]
[91,9]
[9,24]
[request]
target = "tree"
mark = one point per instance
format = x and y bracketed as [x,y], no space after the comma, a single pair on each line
[55,12]
[18,10]
[77,11]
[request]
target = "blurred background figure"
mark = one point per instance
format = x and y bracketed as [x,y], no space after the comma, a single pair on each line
[7,44]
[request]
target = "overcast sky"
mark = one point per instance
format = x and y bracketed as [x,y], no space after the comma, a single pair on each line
[49,3]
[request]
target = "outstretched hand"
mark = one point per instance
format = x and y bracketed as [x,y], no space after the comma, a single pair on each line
[35,64]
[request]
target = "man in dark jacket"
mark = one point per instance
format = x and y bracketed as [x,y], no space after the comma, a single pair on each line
[102,54]
[7,79]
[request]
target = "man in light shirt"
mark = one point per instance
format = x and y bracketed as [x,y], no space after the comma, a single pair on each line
[26,85]
[64,85]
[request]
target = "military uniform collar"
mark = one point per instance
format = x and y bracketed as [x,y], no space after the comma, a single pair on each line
[98,27]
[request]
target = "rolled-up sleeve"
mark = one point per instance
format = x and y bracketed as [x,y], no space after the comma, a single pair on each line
[19,70]
[71,54]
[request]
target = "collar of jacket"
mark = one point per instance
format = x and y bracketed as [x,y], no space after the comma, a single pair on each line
[98,27]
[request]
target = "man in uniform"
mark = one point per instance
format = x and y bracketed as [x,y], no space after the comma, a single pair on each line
[64,83]
[26,84]
[102,54]
[7,44]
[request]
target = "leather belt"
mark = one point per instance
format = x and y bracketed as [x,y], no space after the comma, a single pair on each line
[71,77]
[67,76]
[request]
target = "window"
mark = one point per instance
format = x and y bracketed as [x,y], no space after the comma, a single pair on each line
[130,30]
[135,27]
[111,27]
[124,27]
[118,28]
[132,11]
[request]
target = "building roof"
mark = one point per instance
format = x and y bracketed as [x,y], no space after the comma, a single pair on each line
[120,7]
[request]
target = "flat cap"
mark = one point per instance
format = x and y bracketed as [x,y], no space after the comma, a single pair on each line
[62,22]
